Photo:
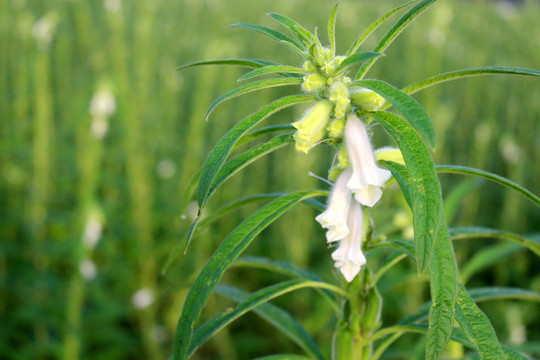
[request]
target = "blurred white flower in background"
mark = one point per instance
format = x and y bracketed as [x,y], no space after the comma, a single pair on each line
[102,106]
[143,298]
[88,269]
[44,29]
[92,230]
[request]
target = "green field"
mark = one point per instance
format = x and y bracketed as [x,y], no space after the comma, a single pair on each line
[91,195]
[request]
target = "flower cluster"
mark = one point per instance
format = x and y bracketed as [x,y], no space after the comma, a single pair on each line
[358,179]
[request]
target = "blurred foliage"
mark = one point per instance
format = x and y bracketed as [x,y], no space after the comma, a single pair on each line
[100,137]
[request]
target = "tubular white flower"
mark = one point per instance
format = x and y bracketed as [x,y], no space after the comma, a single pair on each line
[367,178]
[334,218]
[348,256]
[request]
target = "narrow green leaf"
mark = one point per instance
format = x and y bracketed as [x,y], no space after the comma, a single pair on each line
[371,28]
[456,169]
[475,232]
[285,268]
[408,106]
[503,293]
[249,87]
[459,74]
[356,58]
[233,245]
[276,35]
[394,32]
[304,36]
[477,327]
[332,28]
[487,257]
[262,131]
[251,63]
[223,148]
[443,278]
[236,164]
[249,302]
[426,194]
[283,357]
[272,69]
[401,175]
[454,198]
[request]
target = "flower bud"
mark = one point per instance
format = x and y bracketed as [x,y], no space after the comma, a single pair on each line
[313,82]
[367,100]
[312,126]
[336,127]
[309,66]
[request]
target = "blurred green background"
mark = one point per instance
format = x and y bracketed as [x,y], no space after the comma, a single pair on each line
[100,137]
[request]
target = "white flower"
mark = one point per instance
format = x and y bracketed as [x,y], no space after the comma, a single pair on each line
[348,256]
[367,178]
[335,217]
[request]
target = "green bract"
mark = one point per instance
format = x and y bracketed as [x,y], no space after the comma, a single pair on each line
[338,97]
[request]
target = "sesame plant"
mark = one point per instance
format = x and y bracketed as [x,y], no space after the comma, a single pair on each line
[345,106]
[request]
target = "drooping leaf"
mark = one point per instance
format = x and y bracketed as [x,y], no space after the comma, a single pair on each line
[477,327]
[233,245]
[459,74]
[372,27]
[249,87]
[251,63]
[394,32]
[356,58]
[332,28]
[248,302]
[215,160]
[287,41]
[408,106]
[456,169]
[272,69]
[475,232]
[426,194]
[304,36]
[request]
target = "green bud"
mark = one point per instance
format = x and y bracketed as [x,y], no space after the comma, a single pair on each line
[343,158]
[309,66]
[312,126]
[328,67]
[334,173]
[339,94]
[367,100]
[336,127]
[339,59]
[313,82]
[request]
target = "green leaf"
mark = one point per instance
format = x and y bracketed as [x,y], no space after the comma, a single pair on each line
[356,58]
[272,69]
[503,293]
[286,268]
[236,164]
[371,28]
[459,74]
[233,245]
[251,63]
[276,35]
[426,194]
[401,175]
[487,257]
[215,160]
[249,87]
[304,36]
[454,198]
[394,32]
[456,169]
[408,106]
[262,131]
[443,278]
[249,302]
[332,28]
[474,232]
[477,327]
[189,193]
[283,357]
